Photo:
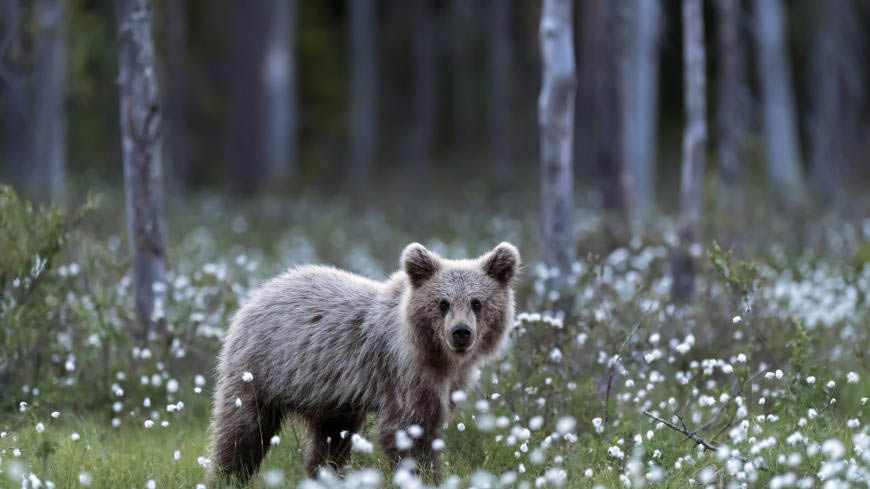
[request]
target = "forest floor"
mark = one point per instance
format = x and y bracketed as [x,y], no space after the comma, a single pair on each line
[767,362]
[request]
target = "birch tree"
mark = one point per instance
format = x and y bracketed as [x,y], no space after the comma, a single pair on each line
[363,86]
[694,147]
[279,88]
[499,76]
[640,79]
[837,91]
[732,95]
[140,143]
[49,128]
[556,122]
[780,126]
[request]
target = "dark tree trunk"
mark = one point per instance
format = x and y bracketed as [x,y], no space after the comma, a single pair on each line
[838,84]
[499,75]
[140,142]
[363,86]
[556,120]
[16,117]
[694,148]
[462,38]
[176,140]
[49,134]
[603,48]
[732,97]
[425,89]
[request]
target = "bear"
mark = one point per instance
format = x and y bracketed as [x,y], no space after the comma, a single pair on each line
[328,347]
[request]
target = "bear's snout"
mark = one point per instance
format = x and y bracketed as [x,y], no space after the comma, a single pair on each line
[461,335]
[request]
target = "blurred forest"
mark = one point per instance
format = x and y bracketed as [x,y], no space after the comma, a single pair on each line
[338,95]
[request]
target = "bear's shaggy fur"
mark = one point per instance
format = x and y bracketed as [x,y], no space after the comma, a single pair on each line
[329,347]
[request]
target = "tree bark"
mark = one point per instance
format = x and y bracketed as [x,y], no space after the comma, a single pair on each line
[499,74]
[363,86]
[732,96]
[176,142]
[556,121]
[49,134]
[694,148]
[141,148]
[16,121]
[774,68]
[837,82]
[425,90]
[278,76]
[603,50]
[463,73]
[641,84]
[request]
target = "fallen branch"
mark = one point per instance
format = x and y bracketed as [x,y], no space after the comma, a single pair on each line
[736,390]
[698,440]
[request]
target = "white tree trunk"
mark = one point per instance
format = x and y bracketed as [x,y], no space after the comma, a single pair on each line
[640,74]
[780,126]
[499,59]
[141,148]
[732,95]
[49,128]
[694,146]
[556,121]
[279,88]
[363,86]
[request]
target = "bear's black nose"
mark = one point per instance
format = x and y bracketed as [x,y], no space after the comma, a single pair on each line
[461,335]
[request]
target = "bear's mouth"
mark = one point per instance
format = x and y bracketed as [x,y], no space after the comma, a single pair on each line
[460,349]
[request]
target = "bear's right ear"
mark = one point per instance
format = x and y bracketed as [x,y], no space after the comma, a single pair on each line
[419,264]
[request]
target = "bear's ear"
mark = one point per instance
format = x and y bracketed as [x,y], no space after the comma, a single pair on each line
[419,263]
[502,263]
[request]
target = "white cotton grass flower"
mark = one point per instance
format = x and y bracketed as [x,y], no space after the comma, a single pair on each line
[565,425]
[151,484]
[360,444]
[736,320]
[172,386]
[85,479]
[55,414]
[811,379]
[274,478]
[438,444]
[458,397]
[831,384]
[238,402]
[199,381]
[852,377]
[74,437]
[536,423]
[275,440]
[149,423]
[247,377]
[176,455]
[40,427]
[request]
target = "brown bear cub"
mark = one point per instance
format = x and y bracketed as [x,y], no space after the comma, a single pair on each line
[330,347]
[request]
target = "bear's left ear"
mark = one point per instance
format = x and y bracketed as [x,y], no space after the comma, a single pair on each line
[419,263]
[502,263]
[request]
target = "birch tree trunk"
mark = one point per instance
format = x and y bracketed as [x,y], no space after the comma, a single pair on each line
[837,93]
[279,88]
[140,142]
[364,86]
[732,96]
[49,134]
[780,127]
[499,59]
[556,121]
[641,85]
[694,148]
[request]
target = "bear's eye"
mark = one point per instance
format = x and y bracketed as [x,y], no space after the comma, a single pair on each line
[444,305]
[475,305]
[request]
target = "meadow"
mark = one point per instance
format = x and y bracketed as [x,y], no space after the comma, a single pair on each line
[766,364]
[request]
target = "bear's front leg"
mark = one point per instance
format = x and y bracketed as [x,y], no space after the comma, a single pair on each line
[409,432]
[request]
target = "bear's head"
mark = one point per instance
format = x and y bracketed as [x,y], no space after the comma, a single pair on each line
[459,309]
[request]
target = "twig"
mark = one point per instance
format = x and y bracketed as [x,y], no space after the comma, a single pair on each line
[736,390]
[610,371]
[697,439]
